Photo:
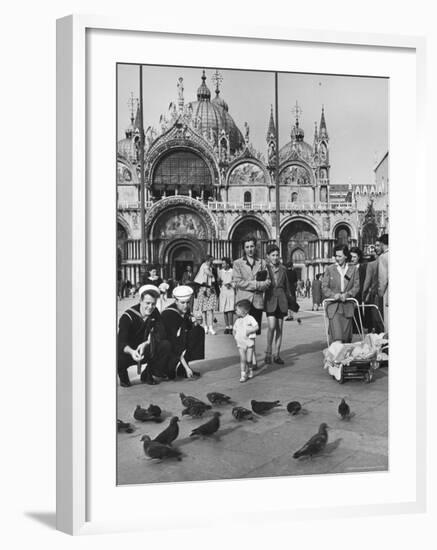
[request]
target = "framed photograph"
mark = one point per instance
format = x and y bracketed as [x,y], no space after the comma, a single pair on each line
[231,207]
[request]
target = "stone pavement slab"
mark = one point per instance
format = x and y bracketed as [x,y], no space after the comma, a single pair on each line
[265,447]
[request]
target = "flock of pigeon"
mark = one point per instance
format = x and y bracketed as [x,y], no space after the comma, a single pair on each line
[161,447]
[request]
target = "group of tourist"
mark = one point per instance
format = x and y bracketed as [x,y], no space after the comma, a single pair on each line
[162,339]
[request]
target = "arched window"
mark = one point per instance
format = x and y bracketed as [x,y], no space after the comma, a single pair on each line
[298,256]
[181,170]
[342,235]
[247,197]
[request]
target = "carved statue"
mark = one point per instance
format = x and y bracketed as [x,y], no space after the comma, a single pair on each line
[247,129]
[181,89]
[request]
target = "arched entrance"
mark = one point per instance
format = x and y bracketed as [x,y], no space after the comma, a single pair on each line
[342,235]
[249,228]
[300,244]
[181,253]
[122,238]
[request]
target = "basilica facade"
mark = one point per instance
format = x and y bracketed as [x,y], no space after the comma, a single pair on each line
[206,188]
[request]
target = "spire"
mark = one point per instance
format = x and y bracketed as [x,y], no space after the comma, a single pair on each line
[323,130]
[137,124]
[271,132]
[316,135]
[296,132]
[203,92]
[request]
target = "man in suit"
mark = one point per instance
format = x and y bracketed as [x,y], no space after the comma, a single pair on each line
[383,278]
[340,282]
[370,292]
[247,272]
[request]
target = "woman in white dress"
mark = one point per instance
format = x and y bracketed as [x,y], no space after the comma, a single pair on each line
[227,294]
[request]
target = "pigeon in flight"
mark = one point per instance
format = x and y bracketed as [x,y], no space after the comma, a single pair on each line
[315,444]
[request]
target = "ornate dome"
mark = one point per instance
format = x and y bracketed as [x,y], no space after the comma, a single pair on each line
[213,116]
[126,148]
[296,149]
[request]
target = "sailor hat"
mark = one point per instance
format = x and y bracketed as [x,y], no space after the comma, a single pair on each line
[182,292]
[152,289]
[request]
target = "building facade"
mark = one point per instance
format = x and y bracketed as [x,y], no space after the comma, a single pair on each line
[206,188]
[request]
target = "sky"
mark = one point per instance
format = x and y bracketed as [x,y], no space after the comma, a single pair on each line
[356,109]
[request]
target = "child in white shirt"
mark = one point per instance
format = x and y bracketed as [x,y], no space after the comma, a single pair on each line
[244,332]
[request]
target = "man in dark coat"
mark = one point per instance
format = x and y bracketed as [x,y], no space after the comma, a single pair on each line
[186,336]
[292,283]
[142,340]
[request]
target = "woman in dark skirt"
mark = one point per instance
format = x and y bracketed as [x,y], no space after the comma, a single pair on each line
[276,299]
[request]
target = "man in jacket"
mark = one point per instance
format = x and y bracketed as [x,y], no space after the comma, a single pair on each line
[339,283]
[383,278]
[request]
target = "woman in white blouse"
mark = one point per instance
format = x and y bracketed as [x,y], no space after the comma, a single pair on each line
[227,294]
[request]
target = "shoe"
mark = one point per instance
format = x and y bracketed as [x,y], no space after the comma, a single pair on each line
[254,366]
[268,359]
[289,319]
[212,331]
[278,360]
[196,374]
[125,384]
[243,377]
[250,374]
[206,330]
[226,331]
[299,321]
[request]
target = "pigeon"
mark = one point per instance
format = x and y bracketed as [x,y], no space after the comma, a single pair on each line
[316,444]
[124,427]
[143,415]
[217,398]
[344,410]
[153,449]
[196,409]
[170,433]
[154,410]
[209,428]
[261,407]
[294,408]
[240,413]
[188,400]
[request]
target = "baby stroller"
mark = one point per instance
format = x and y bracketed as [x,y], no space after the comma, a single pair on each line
[357,360]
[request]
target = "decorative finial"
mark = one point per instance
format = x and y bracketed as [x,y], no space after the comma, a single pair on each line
[217,78]
[132,103]
[297,111]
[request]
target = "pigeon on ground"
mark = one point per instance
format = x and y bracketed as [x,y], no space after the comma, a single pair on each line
[209,428]
[143,415]
[294,408]
[217,398]
[344,410]
[261,407]
[188,400]
[316,444]
[240,413]
[196,409]
[124,427]
[153,449]
[170,433]
[154,410]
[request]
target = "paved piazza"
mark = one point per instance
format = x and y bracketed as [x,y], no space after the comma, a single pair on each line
[262,448]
